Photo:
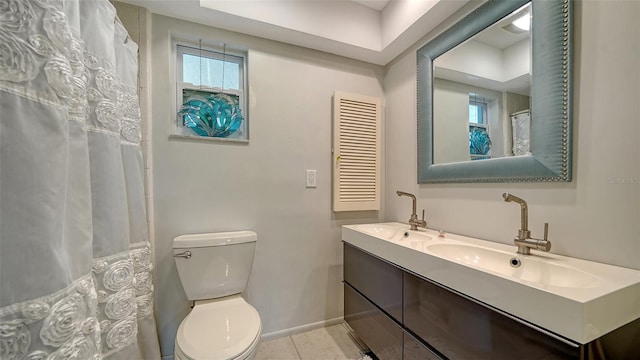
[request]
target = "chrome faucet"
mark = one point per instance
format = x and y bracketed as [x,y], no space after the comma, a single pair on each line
[524,241]
[413,221]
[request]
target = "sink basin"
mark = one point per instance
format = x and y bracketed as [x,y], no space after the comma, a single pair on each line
[394,233]
[383,231]
[541,272]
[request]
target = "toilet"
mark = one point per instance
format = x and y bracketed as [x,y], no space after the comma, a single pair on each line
[214,270]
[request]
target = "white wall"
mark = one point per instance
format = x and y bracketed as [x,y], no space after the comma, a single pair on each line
[516,60]
[474,58]
[594,217]
[205,186]
[450,122]
[487,62]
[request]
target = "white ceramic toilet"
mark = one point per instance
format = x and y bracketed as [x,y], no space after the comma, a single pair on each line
[214,269]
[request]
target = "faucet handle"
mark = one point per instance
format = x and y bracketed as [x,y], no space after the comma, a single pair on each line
[544,244]
[423,222]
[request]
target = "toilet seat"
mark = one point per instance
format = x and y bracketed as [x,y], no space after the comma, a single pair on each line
[225,328]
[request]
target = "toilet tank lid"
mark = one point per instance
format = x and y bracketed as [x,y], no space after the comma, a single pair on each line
[214,239]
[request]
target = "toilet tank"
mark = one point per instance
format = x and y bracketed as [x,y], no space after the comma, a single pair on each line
[214,265]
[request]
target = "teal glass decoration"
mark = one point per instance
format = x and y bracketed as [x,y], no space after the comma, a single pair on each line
[479,141]
[210,114]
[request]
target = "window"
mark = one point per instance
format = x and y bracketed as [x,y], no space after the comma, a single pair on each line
[477,110]
[479,141]
[211,94]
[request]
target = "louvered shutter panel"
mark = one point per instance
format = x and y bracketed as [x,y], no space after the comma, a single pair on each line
[356,150]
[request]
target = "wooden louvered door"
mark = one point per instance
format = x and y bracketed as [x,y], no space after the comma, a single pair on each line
[356,150]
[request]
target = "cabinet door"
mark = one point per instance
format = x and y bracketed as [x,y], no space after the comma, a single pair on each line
[460,328]
[376,279]
[415,350]
[381,334]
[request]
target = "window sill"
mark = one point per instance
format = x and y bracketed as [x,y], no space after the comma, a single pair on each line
[204,138]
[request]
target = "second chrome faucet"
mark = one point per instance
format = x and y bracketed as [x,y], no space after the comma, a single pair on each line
[413,220]
[524,241]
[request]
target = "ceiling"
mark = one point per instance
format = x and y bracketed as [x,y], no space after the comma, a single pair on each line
[373,4]
[375,31]
[499,34]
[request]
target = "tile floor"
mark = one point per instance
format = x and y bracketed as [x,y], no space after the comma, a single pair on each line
[330,343]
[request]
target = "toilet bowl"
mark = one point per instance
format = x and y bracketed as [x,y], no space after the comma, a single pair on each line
[227,328]
[214,269]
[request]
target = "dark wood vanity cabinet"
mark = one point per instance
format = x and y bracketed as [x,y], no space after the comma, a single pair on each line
[414,349]
[460,328]
[373,307]
[400,315]
[384,336]
[378,280]
[381,334]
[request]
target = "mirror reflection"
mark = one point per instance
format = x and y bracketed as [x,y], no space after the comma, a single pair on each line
[482,93]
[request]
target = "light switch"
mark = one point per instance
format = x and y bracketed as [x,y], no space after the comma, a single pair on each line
[310,176]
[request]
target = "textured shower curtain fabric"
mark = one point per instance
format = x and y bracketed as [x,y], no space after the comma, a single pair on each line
[75,260]
[521,126]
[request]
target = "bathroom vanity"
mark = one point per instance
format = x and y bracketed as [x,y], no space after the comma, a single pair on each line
[424,295]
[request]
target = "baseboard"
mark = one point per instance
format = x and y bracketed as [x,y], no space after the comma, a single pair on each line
[301,329]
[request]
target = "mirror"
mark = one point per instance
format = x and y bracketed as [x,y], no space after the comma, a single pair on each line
[481,88]
[494,96]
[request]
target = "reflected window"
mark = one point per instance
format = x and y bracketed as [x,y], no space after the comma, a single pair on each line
[477,110]
[479,141]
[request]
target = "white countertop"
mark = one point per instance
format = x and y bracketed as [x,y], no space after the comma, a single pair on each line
[582,312]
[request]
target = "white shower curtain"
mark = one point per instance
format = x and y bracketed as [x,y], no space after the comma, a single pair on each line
[75,261]
[521,127]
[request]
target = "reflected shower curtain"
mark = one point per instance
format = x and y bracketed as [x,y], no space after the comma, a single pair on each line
[75,261]
[521,126]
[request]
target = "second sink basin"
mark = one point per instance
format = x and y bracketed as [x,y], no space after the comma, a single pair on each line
[531,270]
